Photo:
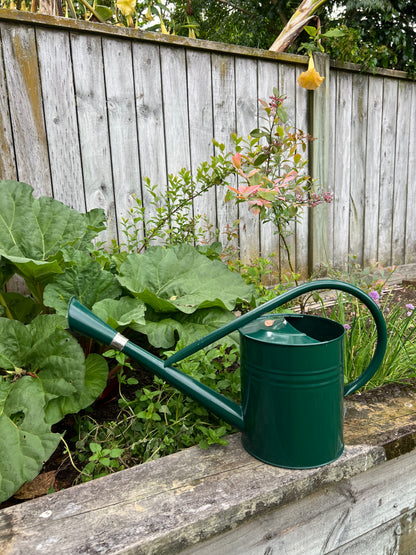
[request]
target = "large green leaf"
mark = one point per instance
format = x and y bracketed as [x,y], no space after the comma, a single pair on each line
[32,231]
[44,376]
[84,279]
[163,330]
[180,279]
[26,438]
[120,313]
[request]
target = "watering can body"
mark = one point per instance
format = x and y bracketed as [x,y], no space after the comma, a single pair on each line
[292,376]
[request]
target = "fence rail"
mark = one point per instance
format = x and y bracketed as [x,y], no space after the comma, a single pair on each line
[88,110]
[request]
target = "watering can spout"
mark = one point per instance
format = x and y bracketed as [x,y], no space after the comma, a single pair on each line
[82,320]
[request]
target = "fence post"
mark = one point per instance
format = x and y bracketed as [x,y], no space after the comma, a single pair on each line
[318,163]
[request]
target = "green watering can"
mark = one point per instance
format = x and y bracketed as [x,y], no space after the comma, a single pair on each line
[292,376]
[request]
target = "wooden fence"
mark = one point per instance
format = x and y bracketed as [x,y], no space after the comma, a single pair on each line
[88,110]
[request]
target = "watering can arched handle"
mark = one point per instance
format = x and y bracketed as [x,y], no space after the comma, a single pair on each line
[288,296]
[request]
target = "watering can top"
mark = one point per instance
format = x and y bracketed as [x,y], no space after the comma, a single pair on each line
[292,329]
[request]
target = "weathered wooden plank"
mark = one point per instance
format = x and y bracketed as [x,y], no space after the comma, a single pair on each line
[201,131]
[330,520]
[358,161]
[388,132]
[223,96]
[372,170]
[410,254]
[175,106]
[7,160]
[150,121]
[327,256]
[246,114]
[25,102]
[93,127]
[288,85]
[342,168]
[319,222]
[122,128]
[401,180]
[60,117]
[268,78]
[302,227]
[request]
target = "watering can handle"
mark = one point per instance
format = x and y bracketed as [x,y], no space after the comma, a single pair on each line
[288,296]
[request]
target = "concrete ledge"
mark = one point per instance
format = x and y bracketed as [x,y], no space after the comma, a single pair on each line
[224,501]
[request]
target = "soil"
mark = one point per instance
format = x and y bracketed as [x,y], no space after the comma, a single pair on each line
[58,472]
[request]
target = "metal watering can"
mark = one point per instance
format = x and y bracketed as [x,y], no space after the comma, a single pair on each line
[292,376]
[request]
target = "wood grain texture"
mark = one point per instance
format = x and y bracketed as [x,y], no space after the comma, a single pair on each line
[387,169]
[150,119]
[7,160]
[91,105]
[372,170]
[122,129]
[268,78]
[25,102]
[59,107]
[201,129]
[410,239]
[358,162]
[223,97]
[246,114]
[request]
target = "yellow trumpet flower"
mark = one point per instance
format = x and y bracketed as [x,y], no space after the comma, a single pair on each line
[310,79]
[127,7]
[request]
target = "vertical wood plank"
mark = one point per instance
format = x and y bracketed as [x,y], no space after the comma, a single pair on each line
[25,101]
[7,160]
[342,169]
[302,227]
[387,167]
[268,78]
[150,122]
[246,112]
[60,117]
[175,106]
[372,170]
[410,243]
[201,131]
[327,256]
[93,127]
[223,95]
[319,106]
[287,86]
[122,126]
[401,141]
[358,161]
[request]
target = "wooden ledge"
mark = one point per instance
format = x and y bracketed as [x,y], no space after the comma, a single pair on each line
[175,503]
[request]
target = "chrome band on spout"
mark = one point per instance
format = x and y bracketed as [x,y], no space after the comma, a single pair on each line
[119,342]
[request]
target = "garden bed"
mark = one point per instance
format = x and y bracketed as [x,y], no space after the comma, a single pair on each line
[59,472]
[222,500]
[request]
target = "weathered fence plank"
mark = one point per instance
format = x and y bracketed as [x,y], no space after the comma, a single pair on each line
[201,130]
[60,117]
[388,132]
[122,128]
[223,95]
[25,101]
[246,114]
[372,171]
[7,160]
[358,162]
[93,126]
[267,79]
[401,182]
[410,249]
[150,120]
